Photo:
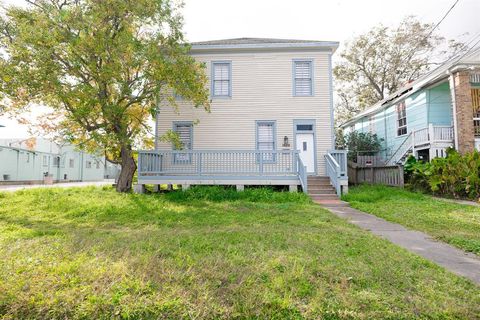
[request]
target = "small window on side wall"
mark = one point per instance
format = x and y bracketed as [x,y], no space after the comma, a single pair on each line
[401,119]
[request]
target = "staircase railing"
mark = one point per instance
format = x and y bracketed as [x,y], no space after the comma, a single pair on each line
[336,169]
[401,151]
[302,173]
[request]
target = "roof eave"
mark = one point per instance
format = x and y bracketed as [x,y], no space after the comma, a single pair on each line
[322,45]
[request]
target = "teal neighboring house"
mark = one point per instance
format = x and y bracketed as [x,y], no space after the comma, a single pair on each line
[42,161]
[439,110]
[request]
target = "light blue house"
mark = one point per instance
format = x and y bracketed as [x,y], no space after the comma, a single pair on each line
[39,160]
[439,110]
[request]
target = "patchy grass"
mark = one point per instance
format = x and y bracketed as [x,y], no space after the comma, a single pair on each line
[207,253]
[453,223]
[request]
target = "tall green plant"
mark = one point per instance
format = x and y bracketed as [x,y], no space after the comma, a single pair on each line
[456,175]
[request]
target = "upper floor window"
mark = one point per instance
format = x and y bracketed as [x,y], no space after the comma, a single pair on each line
[222,79]
[45,161]
[302,78]
[71,163]
[88,164]
[401,119]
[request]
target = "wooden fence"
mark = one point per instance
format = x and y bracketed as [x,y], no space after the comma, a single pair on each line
[386,175]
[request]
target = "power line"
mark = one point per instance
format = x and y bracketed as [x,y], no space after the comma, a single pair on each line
[443,18]
[410,55]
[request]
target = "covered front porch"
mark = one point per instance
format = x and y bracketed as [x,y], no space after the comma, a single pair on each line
[232,167]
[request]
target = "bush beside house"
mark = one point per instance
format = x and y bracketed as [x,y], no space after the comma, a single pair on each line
[456,175]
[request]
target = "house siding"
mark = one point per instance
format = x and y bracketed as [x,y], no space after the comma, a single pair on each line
[261,90]
[28,166]
[428,106]
[440,105]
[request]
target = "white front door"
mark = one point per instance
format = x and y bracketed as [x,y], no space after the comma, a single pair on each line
[307,151]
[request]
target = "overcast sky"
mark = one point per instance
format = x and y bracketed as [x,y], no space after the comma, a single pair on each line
[337,20]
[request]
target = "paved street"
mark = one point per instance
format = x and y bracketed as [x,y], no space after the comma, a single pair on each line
[56,185]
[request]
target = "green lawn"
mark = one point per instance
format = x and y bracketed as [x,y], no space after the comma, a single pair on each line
[453,223]
[207,253]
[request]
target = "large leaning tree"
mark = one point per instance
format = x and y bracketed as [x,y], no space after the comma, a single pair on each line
[101,66]
[381,61]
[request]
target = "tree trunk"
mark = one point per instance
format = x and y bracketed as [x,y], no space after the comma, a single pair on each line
[124,183]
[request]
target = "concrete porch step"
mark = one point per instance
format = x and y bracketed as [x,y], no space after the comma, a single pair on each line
[319,185]
[323,191]
[323,197]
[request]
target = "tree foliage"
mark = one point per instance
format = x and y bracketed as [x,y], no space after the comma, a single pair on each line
[363,143]
[380,62]
[102,66]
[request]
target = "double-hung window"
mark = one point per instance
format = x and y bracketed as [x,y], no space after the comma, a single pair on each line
[184,131]
[266,140]
[401,119]
[302,77]
[221,79]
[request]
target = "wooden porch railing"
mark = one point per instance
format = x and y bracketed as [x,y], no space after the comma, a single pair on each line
[336,168]
[217,163]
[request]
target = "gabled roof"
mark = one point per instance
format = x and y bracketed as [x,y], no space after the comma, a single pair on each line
[436,75]
[250,41]
[262,43]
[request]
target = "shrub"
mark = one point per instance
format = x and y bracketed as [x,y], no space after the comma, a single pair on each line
[365,142]
[456,175]
[223,193]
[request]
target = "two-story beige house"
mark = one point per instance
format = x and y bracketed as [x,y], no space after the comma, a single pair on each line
[271,119]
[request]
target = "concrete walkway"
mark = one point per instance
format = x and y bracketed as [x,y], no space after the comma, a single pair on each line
[16,187]
[453,259]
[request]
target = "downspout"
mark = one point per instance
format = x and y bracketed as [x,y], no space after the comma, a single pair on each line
[454,107]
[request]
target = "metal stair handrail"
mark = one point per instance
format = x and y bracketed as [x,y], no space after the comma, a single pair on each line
[401,149]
